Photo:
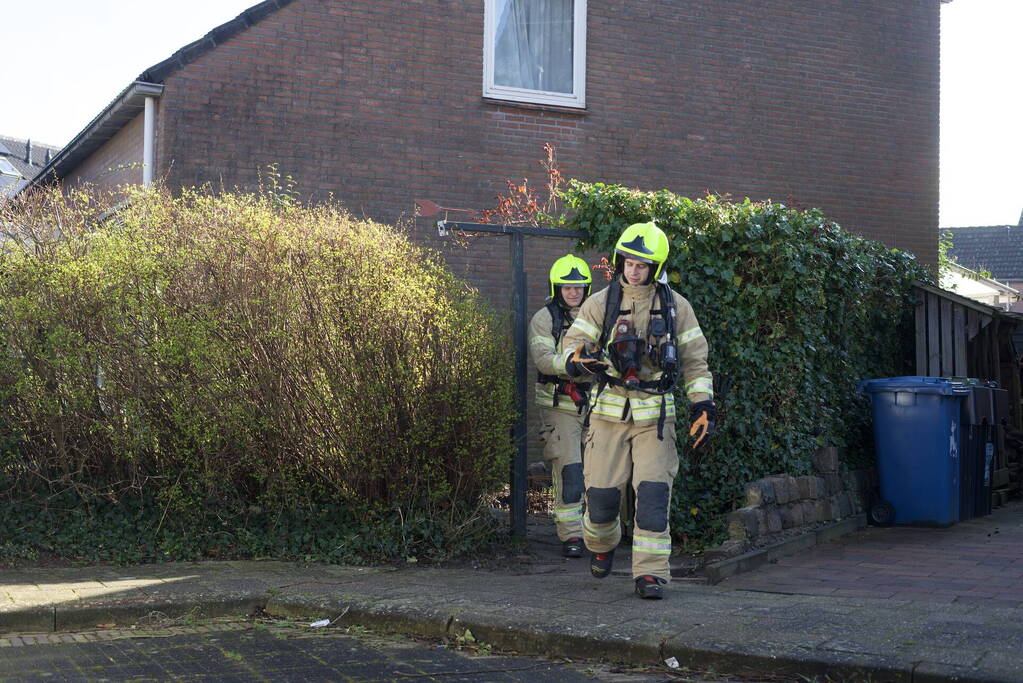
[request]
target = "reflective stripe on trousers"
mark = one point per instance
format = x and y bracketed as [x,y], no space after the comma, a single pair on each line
[561,434]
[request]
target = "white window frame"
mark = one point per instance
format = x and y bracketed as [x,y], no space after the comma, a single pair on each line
[576,99]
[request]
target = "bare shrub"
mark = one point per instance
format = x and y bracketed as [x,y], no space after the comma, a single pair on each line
[239,350]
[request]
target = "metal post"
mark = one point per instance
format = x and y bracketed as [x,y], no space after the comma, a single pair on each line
[518,478]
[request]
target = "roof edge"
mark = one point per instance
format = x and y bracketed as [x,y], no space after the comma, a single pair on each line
[27,140]
[968,303]
[990,282]
[93,135]
[981,227]
[189,53]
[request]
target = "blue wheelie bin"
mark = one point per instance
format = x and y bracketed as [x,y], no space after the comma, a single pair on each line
[978,432]
[917,434]
[971,454]
[981,422]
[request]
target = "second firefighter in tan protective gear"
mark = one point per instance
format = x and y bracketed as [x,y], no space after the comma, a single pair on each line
[640,335]
[562,400]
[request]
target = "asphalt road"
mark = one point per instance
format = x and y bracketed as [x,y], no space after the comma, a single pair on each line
[245,652]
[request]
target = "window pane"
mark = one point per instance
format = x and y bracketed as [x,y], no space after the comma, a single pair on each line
[533,45]
[7,168]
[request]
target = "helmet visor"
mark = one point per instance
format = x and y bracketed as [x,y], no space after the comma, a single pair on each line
[634,257]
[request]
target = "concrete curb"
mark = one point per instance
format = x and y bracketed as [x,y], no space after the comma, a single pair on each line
[29,619]
[644,650]
[715,572]
[88,615]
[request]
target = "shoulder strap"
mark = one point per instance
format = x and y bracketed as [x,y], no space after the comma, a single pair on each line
[557,319]
[612,307]
[667,307]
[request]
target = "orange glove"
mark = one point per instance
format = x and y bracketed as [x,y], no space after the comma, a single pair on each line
[702,423]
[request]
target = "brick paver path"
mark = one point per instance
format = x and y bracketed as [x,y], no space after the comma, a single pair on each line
[239,652]
[977,561]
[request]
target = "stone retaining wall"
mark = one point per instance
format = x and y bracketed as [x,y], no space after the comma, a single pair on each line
[782,502]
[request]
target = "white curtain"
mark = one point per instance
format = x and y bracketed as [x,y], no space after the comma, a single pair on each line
[533,45]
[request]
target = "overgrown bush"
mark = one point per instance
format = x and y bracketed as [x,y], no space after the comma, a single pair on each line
[795,310]
[238,374]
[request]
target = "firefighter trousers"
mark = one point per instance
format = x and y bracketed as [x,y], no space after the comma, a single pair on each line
[614,452]
[561,434]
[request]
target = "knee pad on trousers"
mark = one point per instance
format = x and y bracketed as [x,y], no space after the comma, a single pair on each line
[572,483]
[603,504]
[652,499]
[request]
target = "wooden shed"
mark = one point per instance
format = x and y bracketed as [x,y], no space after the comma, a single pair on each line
[960,337]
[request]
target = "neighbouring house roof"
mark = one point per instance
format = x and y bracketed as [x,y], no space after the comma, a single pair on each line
[20,162]
[995,248]
[130,102]
[968,283]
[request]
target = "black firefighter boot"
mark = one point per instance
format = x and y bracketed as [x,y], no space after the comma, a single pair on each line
[600,563]
[649,587]
[573,547]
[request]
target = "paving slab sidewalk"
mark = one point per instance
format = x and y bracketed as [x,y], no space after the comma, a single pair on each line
[979,561]
[551,606]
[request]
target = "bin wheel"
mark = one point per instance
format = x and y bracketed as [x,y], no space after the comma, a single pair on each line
[882,513]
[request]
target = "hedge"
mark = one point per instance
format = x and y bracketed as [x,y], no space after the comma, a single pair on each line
[795,310]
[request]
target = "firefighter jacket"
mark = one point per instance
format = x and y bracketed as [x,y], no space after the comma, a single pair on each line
[545,352]
[616,403]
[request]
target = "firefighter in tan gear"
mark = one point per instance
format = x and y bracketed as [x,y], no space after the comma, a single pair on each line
[637,339]
[561,398]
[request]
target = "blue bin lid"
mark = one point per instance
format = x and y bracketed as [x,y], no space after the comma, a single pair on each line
[914,385]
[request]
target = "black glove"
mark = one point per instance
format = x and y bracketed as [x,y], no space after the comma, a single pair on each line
[702,414]
[582,363]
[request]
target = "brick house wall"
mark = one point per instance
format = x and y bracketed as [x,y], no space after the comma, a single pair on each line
[117,162]
[831,104]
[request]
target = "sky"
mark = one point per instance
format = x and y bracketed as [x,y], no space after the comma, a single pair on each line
[102,45]
[981,112]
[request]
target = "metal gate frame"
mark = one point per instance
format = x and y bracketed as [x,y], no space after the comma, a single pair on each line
[517,257]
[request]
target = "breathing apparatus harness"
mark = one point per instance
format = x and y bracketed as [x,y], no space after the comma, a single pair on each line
[625,350]
[576,391]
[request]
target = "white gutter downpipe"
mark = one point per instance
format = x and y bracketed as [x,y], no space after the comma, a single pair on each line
[148,141]
[124,109]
